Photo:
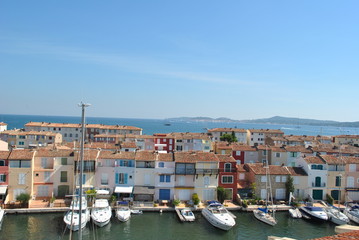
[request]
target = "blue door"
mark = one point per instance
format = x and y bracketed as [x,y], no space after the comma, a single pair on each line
[165,194]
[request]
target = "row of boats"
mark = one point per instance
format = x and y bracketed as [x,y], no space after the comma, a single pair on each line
[327,213]
[100,213]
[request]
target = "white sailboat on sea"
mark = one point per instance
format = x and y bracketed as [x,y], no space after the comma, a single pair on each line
[264,214]
[79,214]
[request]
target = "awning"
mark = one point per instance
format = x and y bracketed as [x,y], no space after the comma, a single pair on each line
[103,192]
[123,189]
[144,190]
[3,190]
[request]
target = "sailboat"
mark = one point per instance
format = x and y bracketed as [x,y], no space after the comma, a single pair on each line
[79,214]
[263,214]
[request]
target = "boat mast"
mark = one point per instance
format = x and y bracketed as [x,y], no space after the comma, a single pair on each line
[82,105]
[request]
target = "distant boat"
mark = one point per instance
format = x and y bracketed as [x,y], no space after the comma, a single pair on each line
[167,124]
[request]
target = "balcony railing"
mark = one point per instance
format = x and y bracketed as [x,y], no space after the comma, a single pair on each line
[318,185]
[185,171]
[206,171]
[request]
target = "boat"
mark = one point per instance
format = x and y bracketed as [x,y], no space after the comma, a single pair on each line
[123,211]
[336,216]
[2,214]
[187,214]
[72,217]
[217,215]
[101,212]
[352,212]
[263,214]
[136,211]
[295,213]
[314,213]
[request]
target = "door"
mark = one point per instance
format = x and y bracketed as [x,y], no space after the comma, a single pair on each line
[318,194]
[318,181]
[63,190]
[165,194]
[335,194]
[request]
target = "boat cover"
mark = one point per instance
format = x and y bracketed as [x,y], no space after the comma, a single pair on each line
[263,210]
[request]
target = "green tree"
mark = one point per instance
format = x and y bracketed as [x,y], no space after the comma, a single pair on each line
[253,188]
[229,137]
[289,186]
[222,194]
[23,198]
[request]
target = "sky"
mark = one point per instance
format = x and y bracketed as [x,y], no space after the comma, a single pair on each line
[160,59]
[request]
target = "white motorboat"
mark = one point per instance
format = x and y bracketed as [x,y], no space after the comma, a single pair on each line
[101,212]
[123,211]
[187,214]
[314,213]
[2,214]
[263,215]
[217,215]
[72,219]
[136,211]
[336,216]
[295,213]
[352,212]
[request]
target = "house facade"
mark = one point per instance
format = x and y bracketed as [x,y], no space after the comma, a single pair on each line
[4,174]
[228,174]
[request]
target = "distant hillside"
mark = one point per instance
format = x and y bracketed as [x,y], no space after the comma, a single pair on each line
[272,120]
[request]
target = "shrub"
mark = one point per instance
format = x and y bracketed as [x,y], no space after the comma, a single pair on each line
[23,198]
[330,199]
[176,202]
[195,199]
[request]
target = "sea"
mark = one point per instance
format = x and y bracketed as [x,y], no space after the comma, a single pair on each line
[163,226]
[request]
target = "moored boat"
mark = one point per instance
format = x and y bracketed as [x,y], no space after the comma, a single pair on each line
[295,213]
[217,215]
[2,213]
[352,212]
[336,216]
[101,212]
[123,211]
[263,215]
[72,218]
[187,214]
[315,213]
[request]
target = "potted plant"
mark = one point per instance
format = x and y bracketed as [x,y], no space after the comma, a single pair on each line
[195,200]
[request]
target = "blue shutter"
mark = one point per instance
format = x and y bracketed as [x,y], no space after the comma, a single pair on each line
[168,178]
[125,180]
[121,163]
[165,194]
[162,178]
[116,178]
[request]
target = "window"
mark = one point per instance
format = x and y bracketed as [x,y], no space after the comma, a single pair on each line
[264,152]
[277,155]
[227,179]
[238,153]
[21,143]
[121,178]
[21,178]
[352,167]
[284,178]
[338,181]
[241,176]
[20,164]
[263,179]
[47,176]
[65,135]
[63,176]
[161,164]
[63,161]
[2,163]
[295,180]
[2,178]
[277,178]
[165,178]
[104,179]
[227,167]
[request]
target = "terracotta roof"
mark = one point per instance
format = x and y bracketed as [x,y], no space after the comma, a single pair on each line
[165,157]
[128,145]
[270,131]
[277,149]
[109,135]
[347,136]
[297,171]
[4,155]
[227,130]
[188,135]
[22,133]
[93,145]
[301,149]
[195,157]
[89,154]
[3,124]
[240,168]
[351,160]
[333,160]
[116,155]
[54,153]
[314,160]
[223,145]
[342,236]
[19,154]
[258,169]
[225,158]
[146,156]
[244,148]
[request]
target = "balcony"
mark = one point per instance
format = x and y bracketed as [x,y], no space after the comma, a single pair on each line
[318,184]
[207,171]
[185,171]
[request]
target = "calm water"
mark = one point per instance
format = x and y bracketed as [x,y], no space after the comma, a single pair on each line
[151,126]
[161,226]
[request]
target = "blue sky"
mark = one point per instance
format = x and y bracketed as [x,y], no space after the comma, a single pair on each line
[159,59]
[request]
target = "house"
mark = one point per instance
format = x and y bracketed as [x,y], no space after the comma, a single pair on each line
[352,178]
[191,142]
[278,156]
[163,143]
[20,173]
[317,171]
[115,172]
[31,139]
[296,152]
[164,177]
[240,134]
[228,175]
[128,146]
[300,182]
[3,126]
[90,157]
[4,174]
[144,189]
[224,148]
[244,154]
[185,172]
[346,139]
[258,136]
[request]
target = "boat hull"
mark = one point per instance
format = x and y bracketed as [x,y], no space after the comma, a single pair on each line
[123,215]
[264,217]
[216,222]
[295,213]
[352,216]
[72,222]
[319,216]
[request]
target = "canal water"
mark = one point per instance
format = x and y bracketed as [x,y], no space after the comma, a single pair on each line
[154,225]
